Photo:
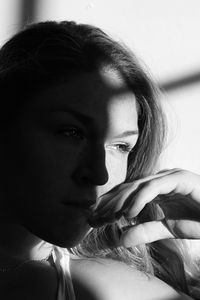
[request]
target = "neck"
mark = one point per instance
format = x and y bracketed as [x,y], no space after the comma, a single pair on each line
[17,243]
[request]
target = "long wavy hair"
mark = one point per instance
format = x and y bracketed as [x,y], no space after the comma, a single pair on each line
[48,52]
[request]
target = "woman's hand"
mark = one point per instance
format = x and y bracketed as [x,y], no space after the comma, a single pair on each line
[174,193]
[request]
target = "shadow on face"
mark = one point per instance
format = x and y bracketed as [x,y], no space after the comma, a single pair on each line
[69,145]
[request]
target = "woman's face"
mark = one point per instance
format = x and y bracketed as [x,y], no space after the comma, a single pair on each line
[69,145]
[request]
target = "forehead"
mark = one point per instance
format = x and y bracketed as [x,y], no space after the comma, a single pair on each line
[101,95]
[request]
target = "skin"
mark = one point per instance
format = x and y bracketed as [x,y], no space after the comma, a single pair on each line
[59,163]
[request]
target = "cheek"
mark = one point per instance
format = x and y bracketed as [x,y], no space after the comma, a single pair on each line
[117,170]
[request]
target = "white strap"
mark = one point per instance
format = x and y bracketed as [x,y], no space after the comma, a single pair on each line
[61,259]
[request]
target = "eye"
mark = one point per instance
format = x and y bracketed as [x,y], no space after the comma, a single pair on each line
[72,132]
[121,147]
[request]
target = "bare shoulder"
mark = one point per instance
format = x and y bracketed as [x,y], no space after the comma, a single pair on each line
[33,281]
[106,279]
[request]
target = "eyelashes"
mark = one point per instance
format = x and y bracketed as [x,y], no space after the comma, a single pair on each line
[73,133]
[77,135]
[121,147]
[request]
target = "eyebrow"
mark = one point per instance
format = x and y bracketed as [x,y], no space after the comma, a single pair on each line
[84,118]
[127,134]
[89,120]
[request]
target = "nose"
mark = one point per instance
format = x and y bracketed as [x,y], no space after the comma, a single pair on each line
[92,168]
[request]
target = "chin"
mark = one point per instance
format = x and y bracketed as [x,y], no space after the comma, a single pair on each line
[62,234]
[69,240]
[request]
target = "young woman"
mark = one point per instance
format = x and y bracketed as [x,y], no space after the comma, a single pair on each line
[81,133]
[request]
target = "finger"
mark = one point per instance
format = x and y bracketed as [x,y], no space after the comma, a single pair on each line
[159,186]
[110,203]
[111,198]
[169,171]
[114,199]
[184,229]
[156,230]
[145,233]
[174,208]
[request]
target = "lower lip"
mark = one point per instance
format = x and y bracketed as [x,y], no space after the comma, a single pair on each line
[84,209]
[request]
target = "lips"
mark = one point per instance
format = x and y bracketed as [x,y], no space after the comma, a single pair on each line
[85,208]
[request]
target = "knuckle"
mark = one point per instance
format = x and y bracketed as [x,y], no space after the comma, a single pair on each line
[136,184]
